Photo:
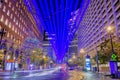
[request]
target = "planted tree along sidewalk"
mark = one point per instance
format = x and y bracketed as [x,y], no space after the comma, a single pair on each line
[105,53]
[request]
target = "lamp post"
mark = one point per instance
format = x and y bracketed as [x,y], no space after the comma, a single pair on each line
[109,30]
[113,62]
[97,60]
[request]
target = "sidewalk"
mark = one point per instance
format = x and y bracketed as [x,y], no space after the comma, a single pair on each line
[98,76]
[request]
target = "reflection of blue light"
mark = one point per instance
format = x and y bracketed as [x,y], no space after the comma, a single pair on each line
[11,65]
[88,68]
[87,60]
[31,65]
[113,67]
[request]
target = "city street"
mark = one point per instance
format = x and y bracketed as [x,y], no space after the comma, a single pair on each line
[59,39]
[52,74]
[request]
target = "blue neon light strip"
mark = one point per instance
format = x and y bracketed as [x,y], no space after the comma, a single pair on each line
[54,16]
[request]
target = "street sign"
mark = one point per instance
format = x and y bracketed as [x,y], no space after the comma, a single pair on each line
[114,57]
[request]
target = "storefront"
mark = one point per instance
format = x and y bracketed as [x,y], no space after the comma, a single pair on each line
[11,65]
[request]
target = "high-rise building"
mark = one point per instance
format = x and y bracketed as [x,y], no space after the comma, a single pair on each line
[18,23]
[99,15]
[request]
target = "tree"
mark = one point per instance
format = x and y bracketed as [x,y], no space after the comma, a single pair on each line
[105,52]
[36,56]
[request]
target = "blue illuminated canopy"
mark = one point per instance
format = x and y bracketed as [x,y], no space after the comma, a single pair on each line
[58,17]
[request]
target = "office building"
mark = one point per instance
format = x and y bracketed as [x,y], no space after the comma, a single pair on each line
[99,15]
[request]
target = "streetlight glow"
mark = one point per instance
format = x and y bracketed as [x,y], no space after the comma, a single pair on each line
[70,60]
[82,51]
[109,29]
[33,51]
[74,57]
[44,56]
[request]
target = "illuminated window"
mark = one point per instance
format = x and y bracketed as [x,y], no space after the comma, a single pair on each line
[11,16]
[13,27]
[17,4]
[18,33]
[19,25]
[8,34]
[6,1]
[14,19]
[0,27]
[23,29]
[16,30]
[4,9]
[0,5]
[16,22]
[2,18]
[11,36]
[10,4]
[10,25]
[22,36]
[21,11]
[20,17]
[15,12]
[13,8]
[8,13]
[6,22]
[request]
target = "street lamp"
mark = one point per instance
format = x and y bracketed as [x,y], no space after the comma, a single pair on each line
[44,56]
[82,50]
[113,62]
[33,51]
[110,30]
[74,57]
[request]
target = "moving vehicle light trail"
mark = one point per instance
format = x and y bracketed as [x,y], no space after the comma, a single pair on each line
[30,73]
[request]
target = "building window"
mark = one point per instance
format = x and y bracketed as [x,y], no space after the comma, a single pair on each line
[13,8]
[6,22]
[10,25]
[0,27]
[15,12]
[14,19]
[4,8]
[10,4]
[11,16]
[8,13]
[11,36]
[2,18]
[13,27]
[20,17]
[6,1]
[16,22]
[17,4]
[0,5]
[8,34]
[16,30]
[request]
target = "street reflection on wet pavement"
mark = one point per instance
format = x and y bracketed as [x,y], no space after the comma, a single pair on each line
[53,74]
